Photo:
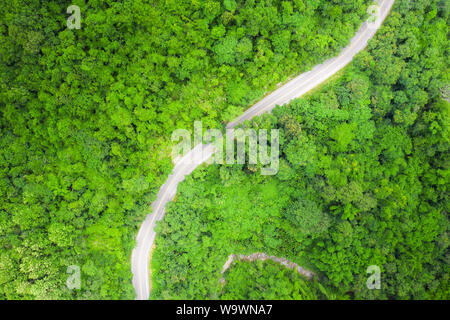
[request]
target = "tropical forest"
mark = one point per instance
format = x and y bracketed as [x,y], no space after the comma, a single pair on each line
[87,115]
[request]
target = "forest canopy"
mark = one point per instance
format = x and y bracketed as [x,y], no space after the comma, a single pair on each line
[363,181]
[86,115]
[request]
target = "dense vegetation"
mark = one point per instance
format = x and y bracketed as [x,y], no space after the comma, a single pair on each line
[363,181]
[86,116]
[269,281]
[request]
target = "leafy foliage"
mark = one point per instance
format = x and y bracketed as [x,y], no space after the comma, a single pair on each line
[267,280]
[363,181]
[86,117]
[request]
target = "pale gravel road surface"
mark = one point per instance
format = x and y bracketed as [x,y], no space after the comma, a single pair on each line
[291,90]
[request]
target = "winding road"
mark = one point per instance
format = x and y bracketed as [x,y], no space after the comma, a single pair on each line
[184,166]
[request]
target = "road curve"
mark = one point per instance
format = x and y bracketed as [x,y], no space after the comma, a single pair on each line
[200,153]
